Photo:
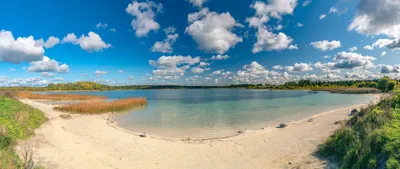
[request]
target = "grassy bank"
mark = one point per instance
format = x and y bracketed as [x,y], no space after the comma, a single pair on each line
[351,90]
[370,139]
[17,121]
[100,107]
[33,96]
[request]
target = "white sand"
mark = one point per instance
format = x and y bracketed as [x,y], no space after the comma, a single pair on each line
[92,142]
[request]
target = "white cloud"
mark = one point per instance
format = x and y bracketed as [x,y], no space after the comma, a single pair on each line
[90,43]
[252,73]
[299,24]
[377,17]
[99,73]
[144,15]
[381,43]
[204,64]
[197,3]
[383,53]
[12,70]
[390,69]
[70,38]
[212,31]
[326,45]
[306,2]
[299,67]
[46,74]
[51,42]
[121,71]
[220,57]
[257,21]
[101,25]
[197,70]
[349,60]
[275,8]
[166,45]
[173,61]
[48,65]
[352,49]
[322,16]
[368,47]
[19,50]
[326,57]
[268,41]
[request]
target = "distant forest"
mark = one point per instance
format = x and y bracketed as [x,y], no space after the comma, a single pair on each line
[384,84]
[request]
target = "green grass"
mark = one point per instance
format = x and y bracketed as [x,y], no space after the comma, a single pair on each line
[370,139]
[17,121]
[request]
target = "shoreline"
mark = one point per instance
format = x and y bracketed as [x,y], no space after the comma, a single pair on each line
[92,141]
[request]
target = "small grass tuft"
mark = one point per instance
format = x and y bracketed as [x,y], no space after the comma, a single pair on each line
[103,106]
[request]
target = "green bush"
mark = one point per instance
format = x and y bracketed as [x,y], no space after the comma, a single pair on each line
[17,121]
[370,139]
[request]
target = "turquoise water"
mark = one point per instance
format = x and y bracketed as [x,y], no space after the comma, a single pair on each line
[205,113]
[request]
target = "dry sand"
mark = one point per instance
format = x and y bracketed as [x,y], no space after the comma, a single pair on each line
[93,142]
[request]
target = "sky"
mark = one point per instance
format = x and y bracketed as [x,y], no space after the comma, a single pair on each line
[197,42]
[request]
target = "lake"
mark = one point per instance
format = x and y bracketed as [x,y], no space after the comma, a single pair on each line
[207,113]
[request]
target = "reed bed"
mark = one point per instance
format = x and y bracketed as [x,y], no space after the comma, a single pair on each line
[100,107]
[33,96]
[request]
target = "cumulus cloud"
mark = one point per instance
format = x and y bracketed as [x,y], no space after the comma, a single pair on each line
[48,65]
[383,53]
[22,49]
[352,49]
[268,41]
[51,42]
[368,47]
[322,16]
[173,61]
[197,70]
[274,8]
[90,43]
[377,17]
[299,24]
[220,57]
[252,73]
[197,3]
[390,69]
[144,15]
[166,45]
[299,67]
[349,60]
[381,43]
[326,45]
[99,73]
[213,31]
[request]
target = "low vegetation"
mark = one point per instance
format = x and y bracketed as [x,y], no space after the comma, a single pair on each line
[370,139]
[17,121]
[384,84]
[100,107]
[33,96]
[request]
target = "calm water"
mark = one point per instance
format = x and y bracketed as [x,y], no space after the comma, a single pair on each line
[205,113]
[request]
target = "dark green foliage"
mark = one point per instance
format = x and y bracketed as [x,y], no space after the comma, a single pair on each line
[370,139]
[386,84]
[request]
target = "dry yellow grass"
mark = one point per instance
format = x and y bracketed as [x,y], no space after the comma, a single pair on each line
[99,107]
[33,96]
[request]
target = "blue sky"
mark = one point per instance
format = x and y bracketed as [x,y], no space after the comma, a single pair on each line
[265,41]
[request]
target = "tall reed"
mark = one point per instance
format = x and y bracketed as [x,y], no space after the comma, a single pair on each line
[99,107]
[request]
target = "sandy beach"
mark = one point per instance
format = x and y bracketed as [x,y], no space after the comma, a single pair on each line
[93,142]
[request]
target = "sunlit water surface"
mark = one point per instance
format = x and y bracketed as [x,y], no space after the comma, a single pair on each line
[208,113]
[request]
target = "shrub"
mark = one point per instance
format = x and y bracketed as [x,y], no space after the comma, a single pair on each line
[33,96]
[370,139]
